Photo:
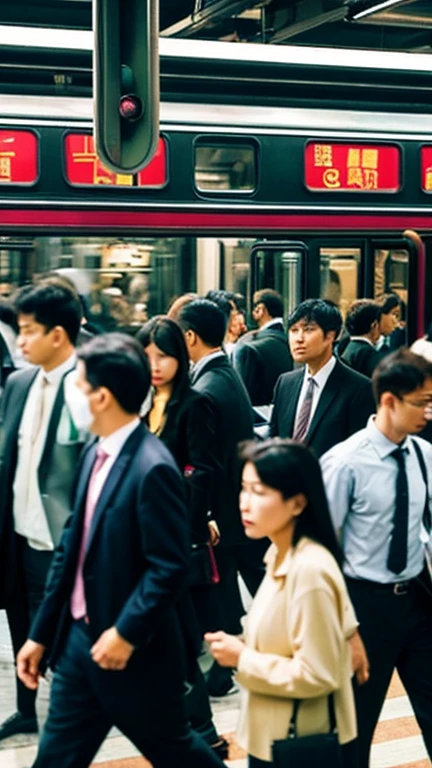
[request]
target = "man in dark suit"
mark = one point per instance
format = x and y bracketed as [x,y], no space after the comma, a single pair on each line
[108,622]
[261,356]
[325,402]
[43,420]
[203,324]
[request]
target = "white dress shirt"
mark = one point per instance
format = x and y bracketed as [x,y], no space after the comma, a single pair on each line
[29,515]
[360,481]
[112,446]
[203,362]
[269,323]
[320,378]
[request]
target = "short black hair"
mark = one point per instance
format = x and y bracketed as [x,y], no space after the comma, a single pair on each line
[361,316]
[51,304]
[387,302]
[220,299]
[400,373]
[206,320]
[117,361]
[290,468]
[167,335]
[272,301]
[320,311]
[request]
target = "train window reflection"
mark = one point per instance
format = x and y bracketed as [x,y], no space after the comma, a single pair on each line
[339,275]
[222,166]
[281,270]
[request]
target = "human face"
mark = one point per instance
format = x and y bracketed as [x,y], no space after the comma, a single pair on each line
[389,322]
[309,344]
[38,345]
[163,367]
[264,511]
[411,411]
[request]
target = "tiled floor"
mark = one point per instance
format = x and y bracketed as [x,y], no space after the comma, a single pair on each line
[397,742]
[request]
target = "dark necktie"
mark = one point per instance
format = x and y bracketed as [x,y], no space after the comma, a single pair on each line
[398,552]
[303,418]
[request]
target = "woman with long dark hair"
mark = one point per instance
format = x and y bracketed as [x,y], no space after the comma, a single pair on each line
[295,645]
[180,417]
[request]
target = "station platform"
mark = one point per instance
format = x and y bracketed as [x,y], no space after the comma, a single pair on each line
[397,742]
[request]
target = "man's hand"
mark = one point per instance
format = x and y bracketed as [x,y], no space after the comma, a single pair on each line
[111,651]
[359,659]
[225,649]
[28,660]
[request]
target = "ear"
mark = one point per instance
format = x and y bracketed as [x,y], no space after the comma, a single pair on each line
[331,336]
[300,503]
[388,400]
[103,399]
[59,335]
[191,337]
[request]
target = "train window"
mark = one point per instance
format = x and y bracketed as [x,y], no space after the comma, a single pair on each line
[339,275]
[391,273]
[282,270]
[225,166]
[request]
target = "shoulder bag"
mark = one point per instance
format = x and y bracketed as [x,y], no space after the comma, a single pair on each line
[314,751]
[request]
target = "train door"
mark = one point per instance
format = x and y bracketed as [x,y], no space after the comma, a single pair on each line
[281,266]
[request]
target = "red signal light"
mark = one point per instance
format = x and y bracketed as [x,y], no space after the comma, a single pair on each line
[130,107]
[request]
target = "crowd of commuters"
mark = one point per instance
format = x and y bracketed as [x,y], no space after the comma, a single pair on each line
[134,495]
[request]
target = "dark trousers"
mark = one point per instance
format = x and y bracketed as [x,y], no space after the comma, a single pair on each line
[348,752]
[397,633]
[247,560]
[86,701]
[32,570]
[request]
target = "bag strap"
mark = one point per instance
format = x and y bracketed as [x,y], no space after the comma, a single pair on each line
[427,518]
[292,731]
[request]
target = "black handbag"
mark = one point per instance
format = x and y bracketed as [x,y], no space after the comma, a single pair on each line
[316,751]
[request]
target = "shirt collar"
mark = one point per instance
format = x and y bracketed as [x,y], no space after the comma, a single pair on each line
[383,446]
[362,338]
[273,321]
[113,444]
[320,378]
[204,360]
[56,374]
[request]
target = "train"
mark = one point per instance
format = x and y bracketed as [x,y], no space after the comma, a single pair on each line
[278,167]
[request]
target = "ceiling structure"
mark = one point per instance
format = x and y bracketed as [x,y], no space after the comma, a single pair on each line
[393,25]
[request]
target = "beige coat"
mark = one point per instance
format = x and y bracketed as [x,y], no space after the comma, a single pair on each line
[296,647]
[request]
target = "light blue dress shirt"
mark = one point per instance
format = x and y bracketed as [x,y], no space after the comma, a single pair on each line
[360,481]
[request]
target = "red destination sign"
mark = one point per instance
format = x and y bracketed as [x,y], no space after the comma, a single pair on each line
[426,169]
[18,157]
[83,167]
[352,167]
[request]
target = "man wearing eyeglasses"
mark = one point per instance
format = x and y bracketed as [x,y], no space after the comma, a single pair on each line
[379,486]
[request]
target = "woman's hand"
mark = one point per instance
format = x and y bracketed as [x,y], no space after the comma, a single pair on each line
[225,649]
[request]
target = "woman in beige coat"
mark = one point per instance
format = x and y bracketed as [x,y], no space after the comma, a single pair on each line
[295,644]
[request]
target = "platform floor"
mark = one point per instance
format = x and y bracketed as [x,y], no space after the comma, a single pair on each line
[397,742]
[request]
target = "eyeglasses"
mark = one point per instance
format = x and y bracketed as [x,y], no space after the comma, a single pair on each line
[423,404]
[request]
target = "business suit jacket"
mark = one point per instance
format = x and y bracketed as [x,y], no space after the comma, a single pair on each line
[361,356]
[296,637]
[56,471]
[233,420]
[344,407]
[189,433]
[135,564]
[259,359]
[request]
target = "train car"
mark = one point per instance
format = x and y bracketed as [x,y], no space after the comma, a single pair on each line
[283,168]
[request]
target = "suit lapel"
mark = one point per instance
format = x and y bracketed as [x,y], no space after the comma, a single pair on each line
[115,475]
[329,394]
[20,402]
[84,476]
[293,398]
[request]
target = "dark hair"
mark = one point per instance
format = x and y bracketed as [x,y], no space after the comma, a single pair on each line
[361,316]
[117,361]
[387,302]
[400,373]
[177,304]
[272,301]
[224,304]
[232,298]
[320,311]
[291,468]
[206,319]
[51,304]
[167,335]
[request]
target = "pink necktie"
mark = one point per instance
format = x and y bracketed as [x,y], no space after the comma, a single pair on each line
[78,604]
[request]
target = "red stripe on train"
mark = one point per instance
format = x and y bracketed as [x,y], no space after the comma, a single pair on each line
[167,220]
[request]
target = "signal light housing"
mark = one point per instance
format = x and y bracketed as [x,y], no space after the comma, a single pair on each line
[126,82]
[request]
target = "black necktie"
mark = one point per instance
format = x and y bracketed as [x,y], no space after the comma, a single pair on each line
[398,552]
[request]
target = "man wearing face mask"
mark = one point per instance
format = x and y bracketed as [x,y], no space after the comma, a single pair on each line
[42,430]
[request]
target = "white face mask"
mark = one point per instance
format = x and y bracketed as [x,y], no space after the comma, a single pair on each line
[78,404]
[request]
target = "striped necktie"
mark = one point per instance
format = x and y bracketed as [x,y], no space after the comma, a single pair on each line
[303,418]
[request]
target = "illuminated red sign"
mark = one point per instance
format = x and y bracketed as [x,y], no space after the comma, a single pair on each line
[426,169]
[83,167]
[18,157]
[352,167]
